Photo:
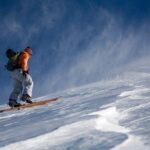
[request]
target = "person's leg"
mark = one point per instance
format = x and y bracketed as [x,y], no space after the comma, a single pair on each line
[28,85]
[17,90]
[15,94]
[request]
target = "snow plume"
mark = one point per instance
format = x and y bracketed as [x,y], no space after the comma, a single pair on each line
[90,52]
[74,42]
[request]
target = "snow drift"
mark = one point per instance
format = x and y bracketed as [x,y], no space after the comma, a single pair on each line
[111,114]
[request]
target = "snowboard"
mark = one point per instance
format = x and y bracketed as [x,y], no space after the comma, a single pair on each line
[29,105]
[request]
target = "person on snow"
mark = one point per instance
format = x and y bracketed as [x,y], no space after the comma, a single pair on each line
[19,70]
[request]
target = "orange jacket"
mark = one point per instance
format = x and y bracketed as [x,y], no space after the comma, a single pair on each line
[23,60]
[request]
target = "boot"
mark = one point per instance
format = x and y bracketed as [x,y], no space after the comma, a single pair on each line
[26,98]
[13,103]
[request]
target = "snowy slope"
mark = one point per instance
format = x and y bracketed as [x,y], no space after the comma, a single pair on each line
[112,114]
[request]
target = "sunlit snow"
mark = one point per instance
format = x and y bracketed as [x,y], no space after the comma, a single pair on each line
[111,114]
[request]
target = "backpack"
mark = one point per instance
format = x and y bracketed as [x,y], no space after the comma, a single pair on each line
[13,57]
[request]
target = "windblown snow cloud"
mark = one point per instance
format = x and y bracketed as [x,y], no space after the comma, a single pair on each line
[74,42]
[96,51]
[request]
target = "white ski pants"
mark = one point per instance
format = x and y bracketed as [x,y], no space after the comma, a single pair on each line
[22,85]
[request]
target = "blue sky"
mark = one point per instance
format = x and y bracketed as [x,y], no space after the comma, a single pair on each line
[74,42]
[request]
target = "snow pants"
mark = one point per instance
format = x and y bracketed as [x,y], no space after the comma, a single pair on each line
[22,85]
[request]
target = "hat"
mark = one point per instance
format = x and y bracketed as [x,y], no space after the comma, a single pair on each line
[28,50]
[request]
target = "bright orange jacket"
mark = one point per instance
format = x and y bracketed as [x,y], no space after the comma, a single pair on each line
[23,60]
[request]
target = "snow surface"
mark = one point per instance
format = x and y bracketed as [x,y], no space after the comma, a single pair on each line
[108,115]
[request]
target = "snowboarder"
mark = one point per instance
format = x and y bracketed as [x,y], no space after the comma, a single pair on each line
[19,70]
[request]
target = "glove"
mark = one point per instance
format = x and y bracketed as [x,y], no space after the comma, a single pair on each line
[25,73]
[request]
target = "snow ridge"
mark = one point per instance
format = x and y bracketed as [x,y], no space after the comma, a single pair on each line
[112,114]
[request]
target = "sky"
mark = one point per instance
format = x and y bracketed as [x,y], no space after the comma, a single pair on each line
[74,42]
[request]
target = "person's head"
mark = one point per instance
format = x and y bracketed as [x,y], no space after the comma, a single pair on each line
[28,50]
[10,53]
